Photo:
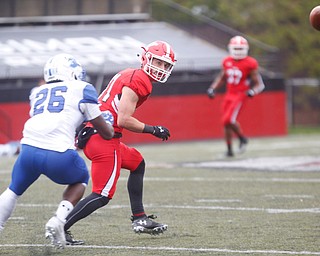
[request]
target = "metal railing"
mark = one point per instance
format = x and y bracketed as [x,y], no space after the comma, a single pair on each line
[73,19]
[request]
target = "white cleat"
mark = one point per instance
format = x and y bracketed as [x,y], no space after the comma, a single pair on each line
[55,232]
[243,145]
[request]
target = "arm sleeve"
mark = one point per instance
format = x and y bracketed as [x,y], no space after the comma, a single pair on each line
[89,103]
[90,111]
[90,94]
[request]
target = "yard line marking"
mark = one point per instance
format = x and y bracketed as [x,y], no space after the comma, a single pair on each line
[217,201]
[17,218]
[165,179]
[303,210]
[287,164]
[218,208]
[201,179]
[290,196]
[37,205]
[148,248]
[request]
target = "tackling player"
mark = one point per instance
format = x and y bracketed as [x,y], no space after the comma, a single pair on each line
[126,91]
[47,147]
[240,74]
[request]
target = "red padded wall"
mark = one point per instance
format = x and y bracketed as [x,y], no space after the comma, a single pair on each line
[188,117]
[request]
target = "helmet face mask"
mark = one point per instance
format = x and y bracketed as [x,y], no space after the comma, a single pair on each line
[238,47]
[158,61]
[63,67]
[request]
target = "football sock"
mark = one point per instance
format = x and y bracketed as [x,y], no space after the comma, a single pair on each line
[135,189]
[84,208]
[65,207]
[8,201]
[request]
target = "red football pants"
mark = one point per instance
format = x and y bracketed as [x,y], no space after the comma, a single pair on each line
[107,158]
[231,106]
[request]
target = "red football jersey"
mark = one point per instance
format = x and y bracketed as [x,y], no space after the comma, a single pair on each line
[237,73]
[135,79]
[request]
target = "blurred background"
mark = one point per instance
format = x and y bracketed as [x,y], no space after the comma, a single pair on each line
[106,36]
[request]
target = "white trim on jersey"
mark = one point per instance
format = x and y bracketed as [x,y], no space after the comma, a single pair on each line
[106,190]
[115,104]
[235,113]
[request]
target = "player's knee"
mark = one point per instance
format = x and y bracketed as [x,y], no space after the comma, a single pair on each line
[226,120]
[100,200]
[226,123]
[104,200]
[140,169]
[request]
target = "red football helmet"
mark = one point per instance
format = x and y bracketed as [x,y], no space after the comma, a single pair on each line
[238,47]
[157,60]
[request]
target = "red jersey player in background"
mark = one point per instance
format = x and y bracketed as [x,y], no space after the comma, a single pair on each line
[126,91]
[240,74]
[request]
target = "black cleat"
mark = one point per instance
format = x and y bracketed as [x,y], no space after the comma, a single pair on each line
[146,225]
[229,154]
[70,240]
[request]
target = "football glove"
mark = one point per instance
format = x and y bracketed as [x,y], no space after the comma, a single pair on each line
[158,131]
[84,136]
[211,93]
[250,93]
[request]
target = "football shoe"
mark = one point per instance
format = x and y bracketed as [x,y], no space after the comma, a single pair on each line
[55,232]
[70,239]
[146,225]
[243,145]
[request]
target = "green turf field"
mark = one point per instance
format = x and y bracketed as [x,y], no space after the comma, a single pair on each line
[263,202]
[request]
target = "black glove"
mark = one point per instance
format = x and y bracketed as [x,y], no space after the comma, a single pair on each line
[250,93]
[84,136]
[158,131]
[211,93]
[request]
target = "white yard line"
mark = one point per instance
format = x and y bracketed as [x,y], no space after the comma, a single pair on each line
[223,208]
[197,207]
[201,179]
[290,196]
[299,163]
[178,249]
[217,201]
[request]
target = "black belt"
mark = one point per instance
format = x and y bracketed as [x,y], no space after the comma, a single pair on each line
[85,134]
[117,135]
